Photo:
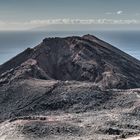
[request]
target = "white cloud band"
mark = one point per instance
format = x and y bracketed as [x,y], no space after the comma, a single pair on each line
[83,21]
[36,23]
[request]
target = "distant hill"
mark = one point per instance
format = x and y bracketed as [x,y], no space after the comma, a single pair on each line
[84,27]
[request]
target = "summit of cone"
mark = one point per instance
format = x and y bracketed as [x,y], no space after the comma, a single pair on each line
[85,58]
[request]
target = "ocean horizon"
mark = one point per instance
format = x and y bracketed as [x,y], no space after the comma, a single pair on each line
[14,42]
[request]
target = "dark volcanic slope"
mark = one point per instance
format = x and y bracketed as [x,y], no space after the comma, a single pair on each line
[60,90]
[37,109]
[76,58]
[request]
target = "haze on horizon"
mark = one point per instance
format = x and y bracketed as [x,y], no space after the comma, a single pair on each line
[92,14]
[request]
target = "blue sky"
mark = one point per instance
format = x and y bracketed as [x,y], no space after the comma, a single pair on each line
[26,14]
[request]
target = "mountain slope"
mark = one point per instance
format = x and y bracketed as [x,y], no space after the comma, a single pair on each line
[48,109]
[84,58]
[64,89]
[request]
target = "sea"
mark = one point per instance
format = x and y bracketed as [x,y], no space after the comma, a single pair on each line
[14,42]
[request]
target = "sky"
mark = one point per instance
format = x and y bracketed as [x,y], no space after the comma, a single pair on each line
[28,14]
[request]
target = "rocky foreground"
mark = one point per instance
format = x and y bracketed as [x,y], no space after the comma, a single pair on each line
[73,88]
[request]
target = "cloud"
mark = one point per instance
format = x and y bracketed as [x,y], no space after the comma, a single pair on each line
[38,23]
[119,12]
[83,21]
[114,13]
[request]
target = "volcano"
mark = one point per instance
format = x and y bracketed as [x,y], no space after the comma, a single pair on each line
[70,88]
[85,58]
